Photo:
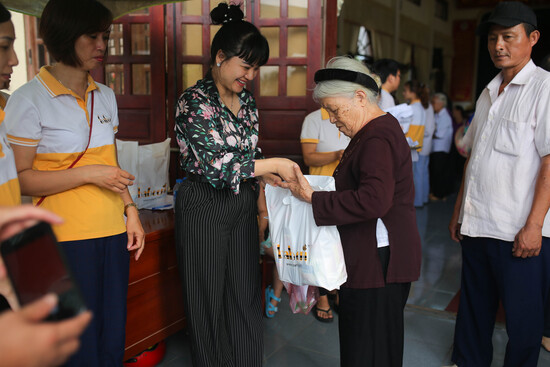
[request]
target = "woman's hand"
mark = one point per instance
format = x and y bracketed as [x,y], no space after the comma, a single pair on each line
[286,169]
[299,188]
[109,177]
[136,234]
[272,179]
[27,340]
[268,168]
[13,220]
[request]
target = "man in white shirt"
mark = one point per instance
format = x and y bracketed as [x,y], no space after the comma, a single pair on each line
[440,181]
[500,215]
[389,72]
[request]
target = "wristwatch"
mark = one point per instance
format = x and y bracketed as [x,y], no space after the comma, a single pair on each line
[129,205]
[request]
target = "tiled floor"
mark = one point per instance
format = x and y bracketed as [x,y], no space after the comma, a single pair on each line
[300,340]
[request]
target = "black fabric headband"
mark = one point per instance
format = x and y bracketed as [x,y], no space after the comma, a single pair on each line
[347,76]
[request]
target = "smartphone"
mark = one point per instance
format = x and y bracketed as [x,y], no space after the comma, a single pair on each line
[36,266]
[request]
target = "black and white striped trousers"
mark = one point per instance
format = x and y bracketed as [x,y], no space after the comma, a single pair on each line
[218,252]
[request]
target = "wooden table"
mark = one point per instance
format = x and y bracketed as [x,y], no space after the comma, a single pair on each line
[155,300]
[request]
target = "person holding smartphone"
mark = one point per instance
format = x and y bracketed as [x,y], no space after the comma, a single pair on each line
[31,341]
[62,127]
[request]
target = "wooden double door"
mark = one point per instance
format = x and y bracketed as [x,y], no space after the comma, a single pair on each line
[155,53]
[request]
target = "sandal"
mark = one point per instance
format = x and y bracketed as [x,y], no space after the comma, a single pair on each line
[270,307]
[319,318]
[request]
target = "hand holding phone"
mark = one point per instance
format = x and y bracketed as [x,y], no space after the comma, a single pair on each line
[36,266]
[27,341]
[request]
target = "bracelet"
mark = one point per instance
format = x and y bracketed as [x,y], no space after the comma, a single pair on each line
[129,205]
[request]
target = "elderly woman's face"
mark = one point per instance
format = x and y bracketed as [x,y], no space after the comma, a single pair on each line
[344,113]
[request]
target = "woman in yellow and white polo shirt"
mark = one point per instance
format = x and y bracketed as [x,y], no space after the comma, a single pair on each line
[49,120]
[9,184]
[10,194]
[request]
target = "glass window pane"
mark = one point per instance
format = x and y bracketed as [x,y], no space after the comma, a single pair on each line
[116,40]
[270,9]
[297,42]
[297,8]
[191,7]
[214,3]
[114,77]
[191,73]
[296,80]
[141,39]
[141,79]
[140,12]
[269,81]
[191,39]
[272,36]
[213,30]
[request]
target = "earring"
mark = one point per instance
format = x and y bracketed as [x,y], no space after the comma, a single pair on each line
[218,64]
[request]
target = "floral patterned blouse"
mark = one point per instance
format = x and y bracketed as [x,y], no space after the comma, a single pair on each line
[213,142]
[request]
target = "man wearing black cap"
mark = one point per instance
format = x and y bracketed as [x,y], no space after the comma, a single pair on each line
[500,215]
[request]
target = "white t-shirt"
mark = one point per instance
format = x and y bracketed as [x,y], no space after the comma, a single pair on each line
[386,100]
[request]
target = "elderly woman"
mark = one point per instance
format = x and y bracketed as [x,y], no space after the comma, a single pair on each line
[373,180]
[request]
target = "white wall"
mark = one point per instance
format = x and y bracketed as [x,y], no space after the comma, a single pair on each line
[19,76]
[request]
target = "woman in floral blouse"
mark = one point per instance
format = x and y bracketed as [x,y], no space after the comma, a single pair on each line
[216,212]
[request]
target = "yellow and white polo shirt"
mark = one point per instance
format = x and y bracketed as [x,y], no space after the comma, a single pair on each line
[318,129]
[10,193]
[46,115]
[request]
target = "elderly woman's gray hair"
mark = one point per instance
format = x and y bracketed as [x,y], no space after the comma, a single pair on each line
[341,88]
[442,98]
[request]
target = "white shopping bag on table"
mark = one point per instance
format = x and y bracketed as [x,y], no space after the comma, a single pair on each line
[305,254]
[149,164]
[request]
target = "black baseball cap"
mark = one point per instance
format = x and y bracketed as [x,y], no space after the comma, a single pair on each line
[508,14]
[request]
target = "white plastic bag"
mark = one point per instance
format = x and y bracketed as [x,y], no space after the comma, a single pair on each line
[153,160]
[305,254]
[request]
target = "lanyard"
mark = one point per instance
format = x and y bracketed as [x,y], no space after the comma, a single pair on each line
[87,145]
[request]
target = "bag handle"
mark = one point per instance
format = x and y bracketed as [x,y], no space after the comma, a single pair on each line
[87,145]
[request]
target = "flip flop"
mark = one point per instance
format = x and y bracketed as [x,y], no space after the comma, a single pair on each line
[327,320]
[270,307]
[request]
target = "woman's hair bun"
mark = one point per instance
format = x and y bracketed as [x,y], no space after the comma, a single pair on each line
[225,13]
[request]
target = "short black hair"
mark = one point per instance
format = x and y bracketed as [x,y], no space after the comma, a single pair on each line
[5,14]
[237,37]
[64,21]
[529,28]
[386,67]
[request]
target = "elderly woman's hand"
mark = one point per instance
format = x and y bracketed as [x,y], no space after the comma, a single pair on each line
[299,188]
